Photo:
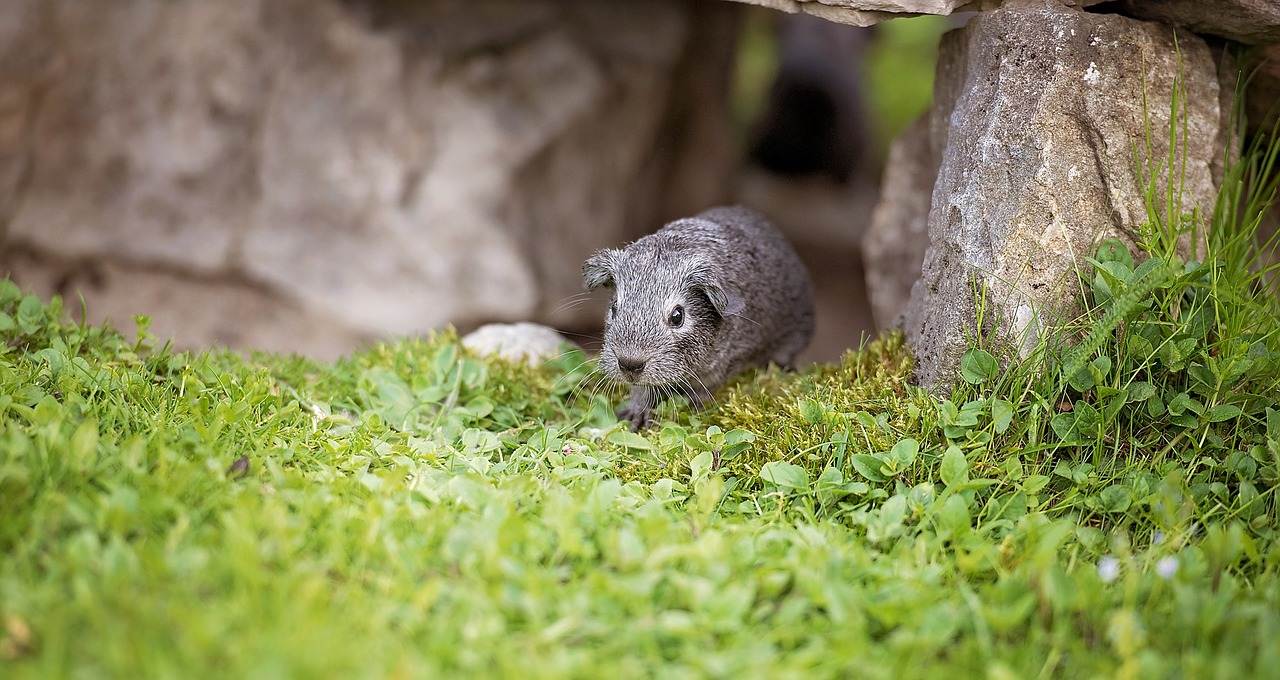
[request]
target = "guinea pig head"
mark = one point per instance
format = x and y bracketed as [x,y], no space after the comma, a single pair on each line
[664,319]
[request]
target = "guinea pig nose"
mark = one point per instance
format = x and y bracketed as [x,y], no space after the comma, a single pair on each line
[631,365]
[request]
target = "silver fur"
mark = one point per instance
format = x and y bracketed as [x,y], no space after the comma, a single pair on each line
[746,298]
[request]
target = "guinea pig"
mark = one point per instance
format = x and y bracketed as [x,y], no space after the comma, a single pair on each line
[697,302]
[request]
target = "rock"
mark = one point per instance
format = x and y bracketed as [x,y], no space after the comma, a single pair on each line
[27,64]
[1262,109]
[373,168]
[1262,98]
[894,244]
[1041,111]
[528,342]
[1252,22]
[869,12]
[199,312]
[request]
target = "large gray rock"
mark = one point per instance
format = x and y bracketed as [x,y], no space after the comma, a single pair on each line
[1252,22]
[27,64]
[373,168]
[1043,115]
[198,311]
[869,12]
[1262,98]
[894,244]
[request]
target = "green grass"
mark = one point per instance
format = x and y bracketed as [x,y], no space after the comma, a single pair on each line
[1107,509]
[414,511]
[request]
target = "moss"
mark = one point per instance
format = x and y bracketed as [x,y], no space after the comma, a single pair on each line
[795,415]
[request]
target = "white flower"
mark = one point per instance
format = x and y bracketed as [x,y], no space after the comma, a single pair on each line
[1157,538]
[1108,569]
[1167,567]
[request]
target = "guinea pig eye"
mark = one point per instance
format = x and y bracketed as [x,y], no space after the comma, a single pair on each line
[613,309]
[676,318]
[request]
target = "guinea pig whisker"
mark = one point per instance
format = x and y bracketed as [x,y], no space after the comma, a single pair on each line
[557,357]
[572,372]
[585,393]
[591,338]
[584,386]
[748,319]
[686,390]
[598,386]
[673,390]
[585,361]
[571,302]
[596,380]
[592,377]
[709,396]
[546,363]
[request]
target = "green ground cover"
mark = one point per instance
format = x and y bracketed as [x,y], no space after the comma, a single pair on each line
[416,511]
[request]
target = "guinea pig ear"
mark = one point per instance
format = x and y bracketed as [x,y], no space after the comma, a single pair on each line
[724,302]
[598,270]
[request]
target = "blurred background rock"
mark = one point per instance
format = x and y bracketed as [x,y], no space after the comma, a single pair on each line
[311,175]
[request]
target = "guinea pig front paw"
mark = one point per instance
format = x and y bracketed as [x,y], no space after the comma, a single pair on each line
[639,415]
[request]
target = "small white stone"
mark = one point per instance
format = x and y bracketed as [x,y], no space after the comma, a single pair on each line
[528,342]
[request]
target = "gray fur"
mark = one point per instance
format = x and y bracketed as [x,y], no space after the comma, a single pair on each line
[746,296]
